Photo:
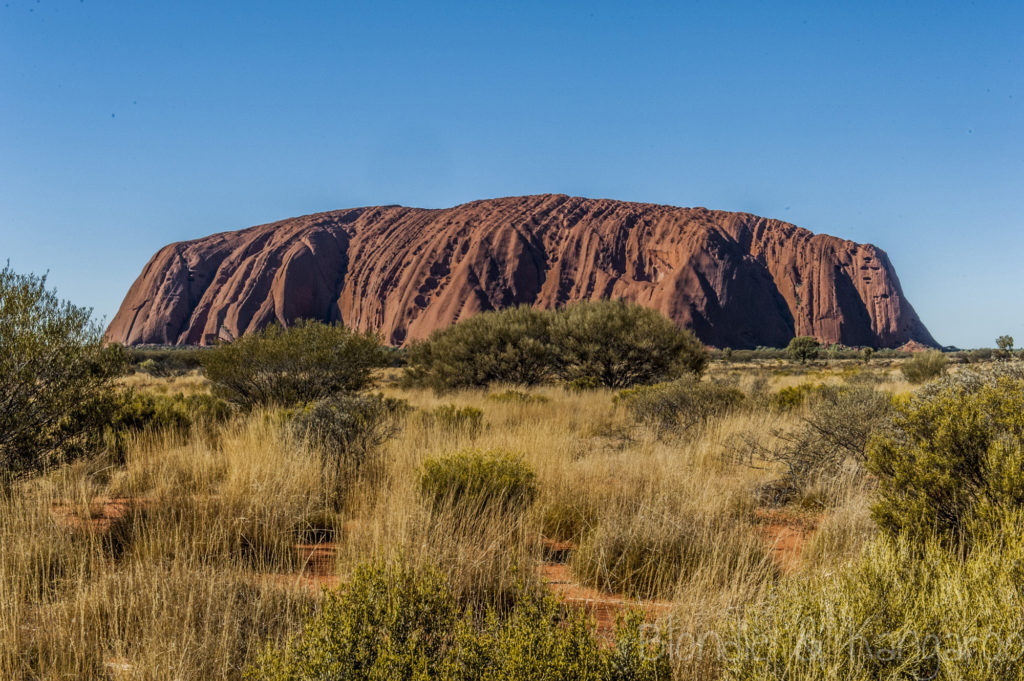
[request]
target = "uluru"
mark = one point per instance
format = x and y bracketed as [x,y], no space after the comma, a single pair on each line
[737,280]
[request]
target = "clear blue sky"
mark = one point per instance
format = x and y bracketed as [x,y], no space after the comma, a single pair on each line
[125,126]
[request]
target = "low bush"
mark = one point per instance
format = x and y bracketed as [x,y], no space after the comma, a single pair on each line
[493,480]
[450,418]
[831,441]
[681,404]
[134,412]
[583,384]
[954,456]
[924,366]
[347,430]
[396,622]
[516,397]
[794,396]
[902,611]
[304,363]
[163,362]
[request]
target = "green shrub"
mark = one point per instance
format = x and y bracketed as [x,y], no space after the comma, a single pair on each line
[612,343]
[681,404]
[583,384]
[507,346]
[794,396]
[516,397]
[347,429]
[903,611]
[161,362]
[396,622]
[307,362]
[622,344]
[451,418]
[135,412]
[924,366]
[803,348]
[495,480]
[56,377]
[954,456]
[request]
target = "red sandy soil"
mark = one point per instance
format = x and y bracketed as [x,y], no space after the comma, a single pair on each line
[787,533]
[98,516]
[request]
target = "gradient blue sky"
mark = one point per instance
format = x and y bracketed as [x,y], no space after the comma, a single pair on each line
[125,126]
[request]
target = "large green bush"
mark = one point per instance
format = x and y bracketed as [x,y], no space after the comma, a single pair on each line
[56,377]
[903,611]
[493,480]
[507,346]
[622,344]
[609,343]
[396,622]
[954,457]
[307,362]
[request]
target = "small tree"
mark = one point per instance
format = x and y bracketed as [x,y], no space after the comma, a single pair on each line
[866,354]
[55,377]
[622,344]
[307,362]
[1005,345]
[803,348]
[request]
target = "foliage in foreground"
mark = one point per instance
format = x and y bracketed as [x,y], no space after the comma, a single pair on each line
[306,362]
[902,612]
[398,622]
[954,457]
[607,343]
[55,377]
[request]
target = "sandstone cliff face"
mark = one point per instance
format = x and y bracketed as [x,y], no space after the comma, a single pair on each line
[737,280]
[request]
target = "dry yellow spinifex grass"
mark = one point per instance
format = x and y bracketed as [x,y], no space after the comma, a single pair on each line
[186,559]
